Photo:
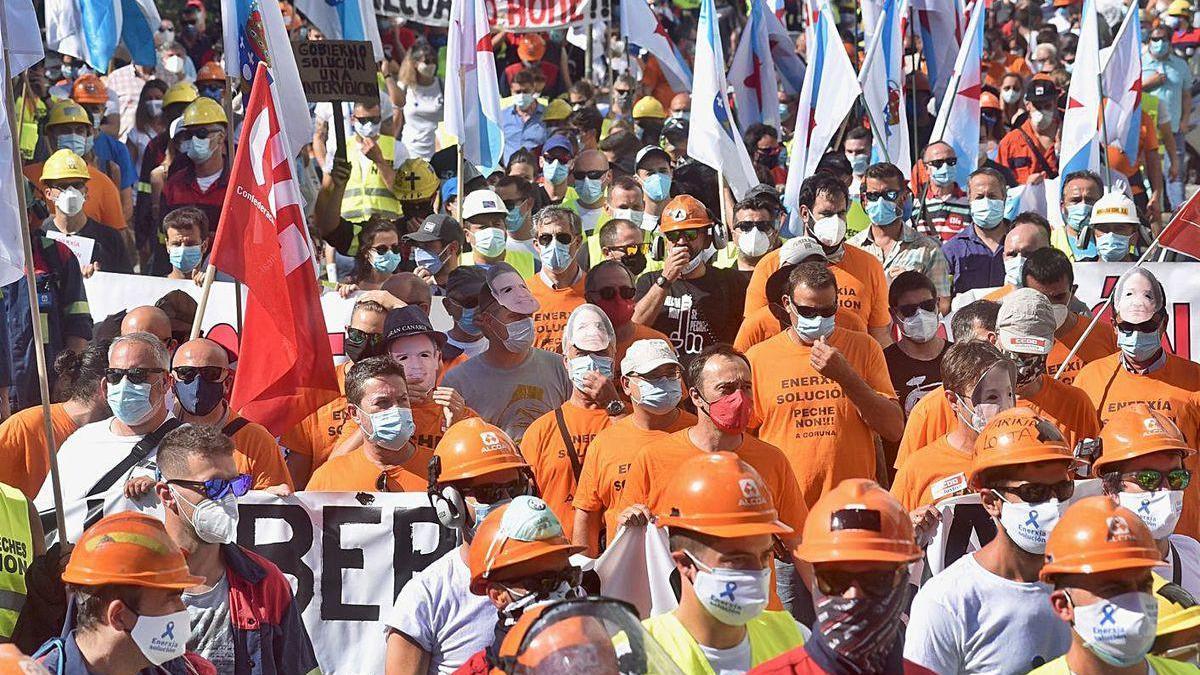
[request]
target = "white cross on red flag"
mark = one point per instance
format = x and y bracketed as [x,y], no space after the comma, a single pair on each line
[285,367]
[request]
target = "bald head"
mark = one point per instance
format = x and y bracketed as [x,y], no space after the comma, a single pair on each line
[409,288]
[147,319]
[591,160]
[200,352]
[1025,238]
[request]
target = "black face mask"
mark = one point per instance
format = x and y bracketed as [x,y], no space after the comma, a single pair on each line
[199,397]
[635,263]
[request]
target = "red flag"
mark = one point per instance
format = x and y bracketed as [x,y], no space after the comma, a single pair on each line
[1182,234]
[285,369]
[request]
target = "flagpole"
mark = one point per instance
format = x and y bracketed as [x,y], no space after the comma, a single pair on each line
[874,46]
[462,97]
[39,351]
[918,57]
[1103,130]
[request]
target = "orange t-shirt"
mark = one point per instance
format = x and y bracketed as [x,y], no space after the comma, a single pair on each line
[430,421]
[764,324]
[998,294]
[929,420]
[354,472]
[103,203]
[1101,342]
[602,481]
[543,447]
[1016,154]
[315,435]
[862,285]
[938,470]
[809,417]
[556,307]
[1170,390]
[256,452]
[24,456]
[640,332]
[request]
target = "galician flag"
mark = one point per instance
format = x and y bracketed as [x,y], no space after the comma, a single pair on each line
[472,96]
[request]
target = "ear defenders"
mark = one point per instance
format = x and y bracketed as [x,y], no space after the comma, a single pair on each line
[447,502]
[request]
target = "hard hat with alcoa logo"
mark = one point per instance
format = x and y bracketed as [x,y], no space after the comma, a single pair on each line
[717,494]
[473,448]
[1136,431]
[1095,534]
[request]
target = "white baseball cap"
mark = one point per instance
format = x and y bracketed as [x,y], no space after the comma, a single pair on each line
[644,356]
[480,202]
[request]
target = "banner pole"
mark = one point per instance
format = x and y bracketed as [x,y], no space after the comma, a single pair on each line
[35,314]
[210,273]
[202,305]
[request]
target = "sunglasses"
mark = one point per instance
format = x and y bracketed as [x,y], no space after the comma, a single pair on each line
[1147,326]
[1038,493]
[632,249]
[556,156]
[513,203]
[135,375]
[877,584]
[548,583]
[679,235]
[764,226]
[198,133]
[187,374]
[889,195]
[594,175]
[610,292]
[812,312]
[217,488]
[496,492]
[382,249]
[67,186]
[369,120]
[360,337]
[906,311]
[1153,479]
[565,238]
[939,163]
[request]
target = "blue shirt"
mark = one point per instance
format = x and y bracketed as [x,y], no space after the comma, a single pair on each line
[1170,93]
[109,149]
[972,263]
[519,133]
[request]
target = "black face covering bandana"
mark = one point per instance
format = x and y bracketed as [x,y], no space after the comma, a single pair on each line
[635,263]
[862,630]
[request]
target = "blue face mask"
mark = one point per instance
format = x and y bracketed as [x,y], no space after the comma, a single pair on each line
[906,211]
[580,365]
[555,172]
[882,211]
[1078,215]
[392,428]
[514,219]
[859,163]
[784,111]
[557,256]
[430,261]
[811,329]
[467,321]
[590,190]
[184,258]
[211,92]
[130,402]
[942,175]
[658,187]
[1112,247]
[385,262]
[1159,48]
[76,143]
[199,397]
[661,395]
[987,213]
[1139,346]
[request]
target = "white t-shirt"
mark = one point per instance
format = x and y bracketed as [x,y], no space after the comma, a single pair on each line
[84,458]
[422,112]
[437,611]
[206,182]
[968,620]
[732,661]
[1189,563]
[590,217]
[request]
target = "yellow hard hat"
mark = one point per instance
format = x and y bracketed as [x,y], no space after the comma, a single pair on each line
[1177,609]
[68,112]
[1180,8]
[204,110]
[180,92]
[557,111]
[649,106]
[65,164]
[415,181]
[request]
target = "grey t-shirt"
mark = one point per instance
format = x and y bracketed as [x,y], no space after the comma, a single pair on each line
[212,629]
[512,398]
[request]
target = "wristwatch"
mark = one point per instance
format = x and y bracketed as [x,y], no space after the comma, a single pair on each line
[661,282]
[614,408]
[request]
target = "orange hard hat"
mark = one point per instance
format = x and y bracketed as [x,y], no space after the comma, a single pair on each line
[569,640]
[1015,437]
[517,540]
[717,494]
[89,89]
[531,47]
[989,100]
[473,448]
[211,70]
[684,212]
[1096,534]
[130,549]
[858,521]
[1136,431]
[13,662]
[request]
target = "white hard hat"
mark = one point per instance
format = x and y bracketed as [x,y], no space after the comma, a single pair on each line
[480,202]
[1114,207]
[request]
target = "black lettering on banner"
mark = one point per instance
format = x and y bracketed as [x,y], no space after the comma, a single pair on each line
[968,519]
[406,561]
[288,555]
[334,559]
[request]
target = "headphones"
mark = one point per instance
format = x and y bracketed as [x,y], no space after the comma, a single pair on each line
[448,501]
[720,239]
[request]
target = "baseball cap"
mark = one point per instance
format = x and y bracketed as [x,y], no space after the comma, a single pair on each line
[410,320]
[449,189]
[793,252]
[1026,323]
[1138,296]
[505,286]
[588,329]
[1041,90]
[437,227]
[465,281]
[480,202]
[558,142]
[647,151]
[644,356]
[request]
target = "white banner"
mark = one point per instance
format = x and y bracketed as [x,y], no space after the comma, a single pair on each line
[513,15]
[1182,285]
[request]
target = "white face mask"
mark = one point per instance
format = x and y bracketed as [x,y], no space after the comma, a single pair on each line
[1060,315]
[1159,510]
[1014,269]
[733,597]
[632,216]
[173,63]
[490,242]
[215,522]
[69,201]
[830,230]
[1028,525]
[920,327]
[162,638]
[753,244]
[1118,630]
[699,259]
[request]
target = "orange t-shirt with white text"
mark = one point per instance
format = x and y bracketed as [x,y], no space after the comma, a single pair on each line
[257,453]
[354,472]
[543,448]
[862,285]
[809,417]
[764,324]
[24,454]
[315,435]
[937,471]
[1101,342]
[556,307]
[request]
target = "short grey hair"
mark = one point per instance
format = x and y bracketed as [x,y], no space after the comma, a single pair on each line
[559,213]
[150,340]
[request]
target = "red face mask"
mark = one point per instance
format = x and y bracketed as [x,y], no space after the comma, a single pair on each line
[731,413]
[618,310]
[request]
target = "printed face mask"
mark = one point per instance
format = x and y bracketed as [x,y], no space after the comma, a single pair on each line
[1160,510]
[1118,630]
[162,638]
[731,596]
[1028,525]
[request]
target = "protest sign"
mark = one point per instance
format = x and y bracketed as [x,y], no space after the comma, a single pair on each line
[80,246]
[512,15]
[337,70]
